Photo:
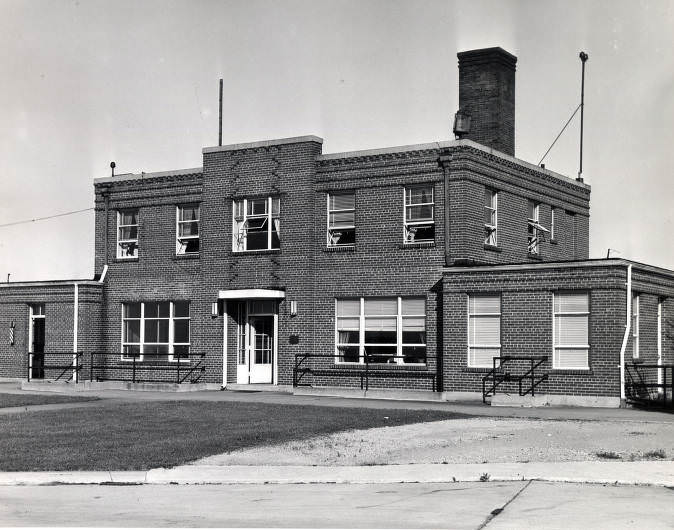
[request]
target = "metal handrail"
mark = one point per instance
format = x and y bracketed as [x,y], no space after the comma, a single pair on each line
[363,369]
[74,367]
[132,361]
[498,363]
[665,391]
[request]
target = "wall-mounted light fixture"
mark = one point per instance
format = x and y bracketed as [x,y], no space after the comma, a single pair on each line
[11,333]
[293,308]
[214,310]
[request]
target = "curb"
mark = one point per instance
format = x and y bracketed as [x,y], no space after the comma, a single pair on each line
[625,473]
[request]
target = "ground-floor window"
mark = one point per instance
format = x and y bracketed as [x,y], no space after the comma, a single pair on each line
[156,330]
[484,329]
[571,330]
[386,330]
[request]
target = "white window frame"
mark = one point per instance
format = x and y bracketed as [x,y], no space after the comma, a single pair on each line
[120,242]
[478,346]
[491,229]
[534,229]
[240,223]
[552,223]
[555,347]
[409,229]
[330,229]
[635,326]
[171,343]
[399,345]
[180,245]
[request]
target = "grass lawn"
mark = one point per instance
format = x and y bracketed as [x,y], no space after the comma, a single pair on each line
[144,435]
[22,400]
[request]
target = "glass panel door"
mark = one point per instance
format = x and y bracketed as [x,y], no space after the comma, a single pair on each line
[261,348]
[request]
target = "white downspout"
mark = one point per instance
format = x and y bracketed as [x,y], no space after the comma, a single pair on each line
[76,312]
[628,325]
[225,316]
[660,370]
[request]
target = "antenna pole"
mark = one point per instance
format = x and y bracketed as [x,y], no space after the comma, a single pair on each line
[220,118]
[583,58]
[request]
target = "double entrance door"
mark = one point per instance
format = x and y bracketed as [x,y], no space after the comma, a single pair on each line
[256,341]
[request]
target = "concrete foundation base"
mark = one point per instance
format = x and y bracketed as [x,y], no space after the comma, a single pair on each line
[379,393]
[462,396]
[553,400]
[288,389]
[49,386]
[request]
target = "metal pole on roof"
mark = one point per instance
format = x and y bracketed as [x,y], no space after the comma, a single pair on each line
[220,118]
[583,58]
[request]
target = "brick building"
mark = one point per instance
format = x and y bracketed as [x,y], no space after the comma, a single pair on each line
[407,268]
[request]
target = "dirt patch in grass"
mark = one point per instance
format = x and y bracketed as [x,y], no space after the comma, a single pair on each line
[144,435]
[473,440]
[24,400]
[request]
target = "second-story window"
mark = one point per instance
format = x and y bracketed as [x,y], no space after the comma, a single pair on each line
[490,217]
[534,231]
[187,229]
[256,224]
[419,218]
[127,234]
[341,220]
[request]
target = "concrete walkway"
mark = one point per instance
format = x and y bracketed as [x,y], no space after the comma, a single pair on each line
[281,398]
[632,473]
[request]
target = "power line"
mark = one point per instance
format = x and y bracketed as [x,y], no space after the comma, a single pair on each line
[44,218]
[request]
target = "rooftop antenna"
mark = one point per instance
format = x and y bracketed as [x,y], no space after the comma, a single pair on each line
[583,59]
[112,168]
[220,118]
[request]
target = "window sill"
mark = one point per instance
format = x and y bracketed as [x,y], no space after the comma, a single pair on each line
[553,242]
[379,366]
[571,371]
[536,257]
[492,248]
[422,244]
[256,252]
[125,260]
[192,255]
[343,248]
[476,369]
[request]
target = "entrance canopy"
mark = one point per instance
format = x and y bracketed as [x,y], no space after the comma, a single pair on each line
[251,294]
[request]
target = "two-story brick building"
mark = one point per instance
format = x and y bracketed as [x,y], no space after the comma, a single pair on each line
[407,268]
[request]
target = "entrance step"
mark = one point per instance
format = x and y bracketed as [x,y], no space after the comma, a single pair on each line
[259,387]
[379,393]
[553,400]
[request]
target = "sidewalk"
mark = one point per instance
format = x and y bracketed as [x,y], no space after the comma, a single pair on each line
[627,473]
[472,408]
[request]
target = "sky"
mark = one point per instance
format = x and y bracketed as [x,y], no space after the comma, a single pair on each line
[88,82]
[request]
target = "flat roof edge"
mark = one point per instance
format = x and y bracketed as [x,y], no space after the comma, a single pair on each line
[49,283]
[263,143]
[143,175]
[597,262]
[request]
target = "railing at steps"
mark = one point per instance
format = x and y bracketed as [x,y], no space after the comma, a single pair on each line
[499,374]
[147,367]
[69,365]
[644,387]
[371,366]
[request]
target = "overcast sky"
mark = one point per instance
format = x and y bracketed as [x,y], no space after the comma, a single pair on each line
[87,82]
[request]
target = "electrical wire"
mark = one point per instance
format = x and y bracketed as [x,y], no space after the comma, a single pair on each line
[45,218]
[560,133]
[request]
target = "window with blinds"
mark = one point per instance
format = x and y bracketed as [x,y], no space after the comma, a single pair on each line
[484,330]
[387,330]
[571,330]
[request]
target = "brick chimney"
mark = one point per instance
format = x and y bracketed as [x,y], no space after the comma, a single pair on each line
[487,94]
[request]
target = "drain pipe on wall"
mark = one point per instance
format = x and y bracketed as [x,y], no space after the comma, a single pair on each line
[628,326]
[76,314]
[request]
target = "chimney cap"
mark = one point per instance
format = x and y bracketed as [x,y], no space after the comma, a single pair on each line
[487,55]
